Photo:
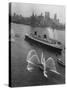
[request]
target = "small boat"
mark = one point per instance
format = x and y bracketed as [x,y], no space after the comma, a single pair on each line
[61,59]
[49,42]
[61,62]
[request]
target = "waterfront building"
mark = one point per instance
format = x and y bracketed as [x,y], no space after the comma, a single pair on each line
[47,15]
[55,20]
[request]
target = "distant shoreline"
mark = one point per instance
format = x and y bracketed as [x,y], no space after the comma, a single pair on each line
[38,21]
[37,26]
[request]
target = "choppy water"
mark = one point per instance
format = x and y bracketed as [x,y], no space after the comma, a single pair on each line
[19,50]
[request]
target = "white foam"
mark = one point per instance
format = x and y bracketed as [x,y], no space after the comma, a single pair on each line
[33,60]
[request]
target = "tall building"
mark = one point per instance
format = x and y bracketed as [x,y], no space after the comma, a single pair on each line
[41,18]
[56,21]
[55,16]
[47,15]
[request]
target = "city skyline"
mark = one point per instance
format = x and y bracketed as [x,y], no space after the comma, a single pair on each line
[26,10]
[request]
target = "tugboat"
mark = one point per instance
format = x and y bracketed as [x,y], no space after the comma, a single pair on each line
[44,39]
[61,58]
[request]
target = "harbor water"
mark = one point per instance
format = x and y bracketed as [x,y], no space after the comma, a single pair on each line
[20,47]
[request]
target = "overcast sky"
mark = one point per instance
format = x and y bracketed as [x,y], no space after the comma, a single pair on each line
[27,9]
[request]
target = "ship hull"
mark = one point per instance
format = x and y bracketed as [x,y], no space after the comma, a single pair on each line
[27,37]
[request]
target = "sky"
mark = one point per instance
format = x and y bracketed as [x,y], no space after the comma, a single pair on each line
[26,10]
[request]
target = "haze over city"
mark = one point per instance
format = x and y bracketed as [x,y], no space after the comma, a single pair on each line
[26,9]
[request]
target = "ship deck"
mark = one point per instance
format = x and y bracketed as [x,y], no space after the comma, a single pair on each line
[44,41]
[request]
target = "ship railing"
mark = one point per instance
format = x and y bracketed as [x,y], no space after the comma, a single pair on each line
[47,40]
